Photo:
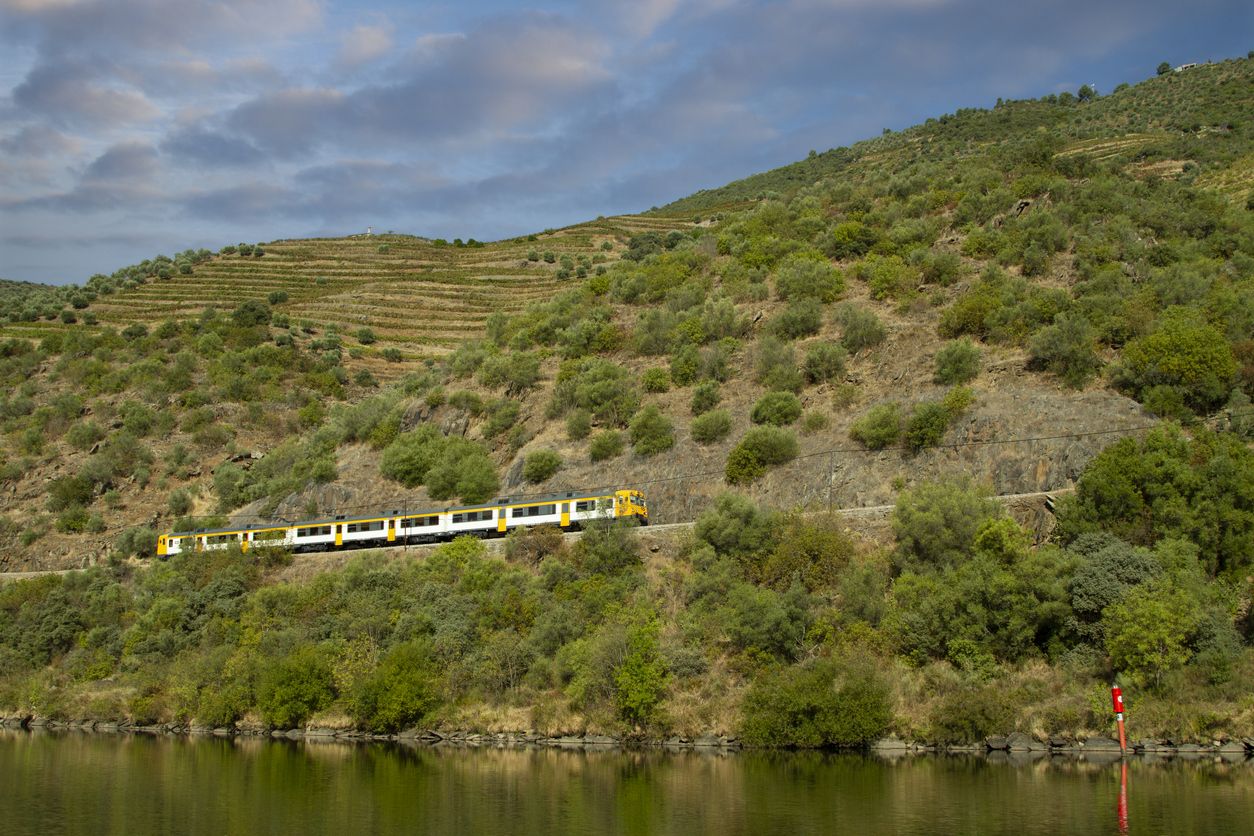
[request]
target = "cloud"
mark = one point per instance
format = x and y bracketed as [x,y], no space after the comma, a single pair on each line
[79,94]
[40,141]
[202,146]
[364,44]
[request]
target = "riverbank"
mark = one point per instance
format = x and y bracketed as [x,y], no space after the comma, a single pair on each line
[1017,745]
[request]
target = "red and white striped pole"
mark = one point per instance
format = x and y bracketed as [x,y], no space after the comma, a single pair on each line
[1116,698]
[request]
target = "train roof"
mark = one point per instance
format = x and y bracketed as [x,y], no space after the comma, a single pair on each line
[404,512]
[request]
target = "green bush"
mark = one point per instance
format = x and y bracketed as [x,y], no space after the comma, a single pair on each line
[599,386]
[816,704]
[294,687]
[705,396]
[970,714]
[859,328]
[408,459]
[656,380]
[957,362]
[366,336]
[880,427]
[1068,348]
[936,523]
[926,425]
[778,408]
[808,276]
[775,366]
[1182,352]
[801,318]
[578,425]
[825,362]
[606,444]
[541,465]
[761,447]
[651,432]
[402,692]
[712,426]
[685,365]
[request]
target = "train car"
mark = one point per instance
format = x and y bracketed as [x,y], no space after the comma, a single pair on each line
[400,527]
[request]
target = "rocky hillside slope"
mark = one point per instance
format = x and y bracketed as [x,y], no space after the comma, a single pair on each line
[998,293]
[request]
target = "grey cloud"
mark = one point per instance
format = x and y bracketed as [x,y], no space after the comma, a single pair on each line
[126,162]
[39,141]
[505,77]
[202,146]
[72,93]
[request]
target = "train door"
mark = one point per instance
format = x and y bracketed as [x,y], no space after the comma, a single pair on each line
[565,514]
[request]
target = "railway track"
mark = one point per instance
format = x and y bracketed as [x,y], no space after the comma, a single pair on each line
[866,511]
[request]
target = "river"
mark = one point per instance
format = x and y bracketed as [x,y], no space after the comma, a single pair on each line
[100,784]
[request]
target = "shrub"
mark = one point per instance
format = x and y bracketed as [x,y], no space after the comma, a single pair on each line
[926,425]
[578,425]
[712,426]
[801,318]
[1068,348]
[250,313]
[685,364]
[408,459]
[778,408]
[277,297]
[761,447]
[775,366]
[540,465]
[880,427]
[936,523]
[859,328]
[599,386]
[656,380]
[705,397]
[825,362]
[502,414]
[957,362]
[808,276]
[816,704]
[463,469]
[366,336]
[401,692]
[294,687]
[1148,631]
[1183,352]
[970,714]
[651,432]
[606,444]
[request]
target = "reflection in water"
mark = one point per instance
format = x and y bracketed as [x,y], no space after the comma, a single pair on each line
[110,784]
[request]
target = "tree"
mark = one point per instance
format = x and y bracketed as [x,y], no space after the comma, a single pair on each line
[935,524]
[640,680]
[1068,348]
[294,687]
[1147,632]
[1164,68]
[817,703]
[1183,352]
[400,693]
[1086,93]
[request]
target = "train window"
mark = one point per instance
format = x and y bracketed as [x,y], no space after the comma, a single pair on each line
[419,522]
[533,511]
[314,531]
[472,516]
[221,538]
[586,505]
[272,534]
[354,528]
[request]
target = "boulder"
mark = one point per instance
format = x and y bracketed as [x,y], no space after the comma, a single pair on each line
[890,744]
[1101,744]
[706,740]
[1020,742]
[1232,747]
[598,740]
[997,743]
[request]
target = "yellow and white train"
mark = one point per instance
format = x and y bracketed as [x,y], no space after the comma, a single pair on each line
[494,519]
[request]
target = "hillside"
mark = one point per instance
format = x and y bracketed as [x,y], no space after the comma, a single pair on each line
[1052,293]
[1028,247]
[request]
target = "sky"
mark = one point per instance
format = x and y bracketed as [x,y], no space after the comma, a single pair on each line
[130,128]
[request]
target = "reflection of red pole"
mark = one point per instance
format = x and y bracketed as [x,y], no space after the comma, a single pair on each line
[1116,697]
[1123,797]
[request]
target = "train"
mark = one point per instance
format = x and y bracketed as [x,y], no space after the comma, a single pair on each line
[567,511]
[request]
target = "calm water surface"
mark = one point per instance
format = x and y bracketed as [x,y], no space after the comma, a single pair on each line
[112,784]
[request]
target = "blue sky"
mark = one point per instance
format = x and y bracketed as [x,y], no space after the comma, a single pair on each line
[135,127]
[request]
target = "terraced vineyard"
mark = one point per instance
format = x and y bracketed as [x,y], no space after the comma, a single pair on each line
[416,295]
